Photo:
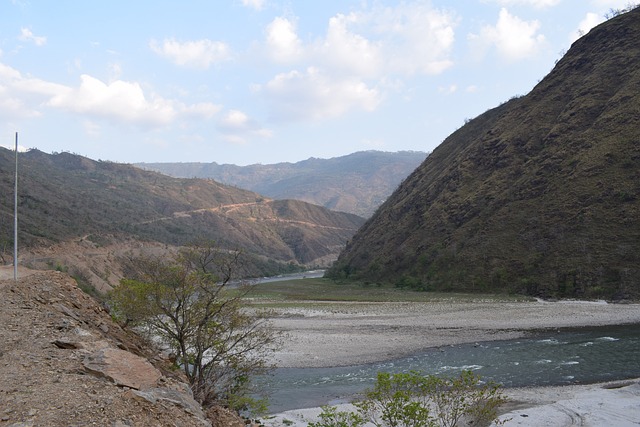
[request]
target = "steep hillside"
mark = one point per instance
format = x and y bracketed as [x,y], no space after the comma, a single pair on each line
[540,195]
[64,197]
[65,362]
[357,183]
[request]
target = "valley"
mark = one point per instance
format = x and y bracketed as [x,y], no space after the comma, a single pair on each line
[522,224]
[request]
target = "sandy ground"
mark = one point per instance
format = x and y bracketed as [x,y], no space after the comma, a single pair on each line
[341,334]
[336,334]
[7,272]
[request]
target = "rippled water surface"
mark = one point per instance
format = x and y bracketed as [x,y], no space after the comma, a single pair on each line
[566,357]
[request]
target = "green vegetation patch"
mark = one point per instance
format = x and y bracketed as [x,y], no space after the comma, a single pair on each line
[321,289]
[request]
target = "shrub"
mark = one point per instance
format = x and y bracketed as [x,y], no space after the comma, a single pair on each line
[413,400]
[187,304]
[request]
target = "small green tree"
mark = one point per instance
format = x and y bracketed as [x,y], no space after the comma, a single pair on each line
[331,417]
[398,400]
[465,396]
[413,400]
[187,302]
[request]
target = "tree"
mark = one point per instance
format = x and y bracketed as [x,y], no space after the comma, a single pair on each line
[399,400]
[192,303]
[331,417]
[413,400]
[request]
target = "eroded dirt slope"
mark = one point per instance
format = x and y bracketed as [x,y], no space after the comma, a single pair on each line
[63,362]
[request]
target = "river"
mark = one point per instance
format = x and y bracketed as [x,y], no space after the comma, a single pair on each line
[568,356]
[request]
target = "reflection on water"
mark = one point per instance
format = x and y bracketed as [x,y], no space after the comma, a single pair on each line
[567,357]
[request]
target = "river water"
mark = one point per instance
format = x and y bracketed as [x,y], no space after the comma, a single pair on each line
[568,356]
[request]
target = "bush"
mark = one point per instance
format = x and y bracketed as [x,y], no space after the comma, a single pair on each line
[185,302]
[413,400]
[331,417]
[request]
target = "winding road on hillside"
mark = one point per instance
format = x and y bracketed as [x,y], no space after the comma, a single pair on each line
[226,209]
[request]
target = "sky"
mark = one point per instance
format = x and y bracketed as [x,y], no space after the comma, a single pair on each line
[268,81]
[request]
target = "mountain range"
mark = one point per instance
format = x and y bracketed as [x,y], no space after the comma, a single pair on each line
[65,198]
[357,183]
[540,195]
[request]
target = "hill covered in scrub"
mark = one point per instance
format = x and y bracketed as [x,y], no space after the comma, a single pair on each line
[540,195]
[357,183]
[65,198]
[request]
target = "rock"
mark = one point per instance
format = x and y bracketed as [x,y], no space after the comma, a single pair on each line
[184,400]
[224,417]
[123,368]
[66,310]
[64,325]
[66,344]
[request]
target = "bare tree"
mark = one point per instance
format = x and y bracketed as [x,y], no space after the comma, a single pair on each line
[193,304]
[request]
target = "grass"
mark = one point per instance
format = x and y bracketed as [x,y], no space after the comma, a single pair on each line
[292,292]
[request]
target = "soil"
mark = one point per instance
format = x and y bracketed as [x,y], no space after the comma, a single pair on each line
[50,329]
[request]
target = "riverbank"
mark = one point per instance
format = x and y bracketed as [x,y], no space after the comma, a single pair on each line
[343,334]
[609,404]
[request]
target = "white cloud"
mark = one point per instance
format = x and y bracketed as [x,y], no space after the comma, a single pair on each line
[416,38]
[234,120]
[14,107]
[313,95]
[540,4]
[513,38]
[406,39]
[283,44]
[371,43]
[205,110]
[453,88]
[347,50]
[119,101]
[197,54]
[589,21]
[237,127]
[12,147]
[27,36]
[21,97]
[255,4]
[359,55]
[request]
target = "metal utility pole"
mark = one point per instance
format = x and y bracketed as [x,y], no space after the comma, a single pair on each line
[15,219]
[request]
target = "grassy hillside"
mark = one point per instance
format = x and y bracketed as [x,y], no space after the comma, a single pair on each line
[65,197]
[357,183]
[540,195]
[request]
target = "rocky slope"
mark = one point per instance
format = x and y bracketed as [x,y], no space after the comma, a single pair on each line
[540,195]
[63,362]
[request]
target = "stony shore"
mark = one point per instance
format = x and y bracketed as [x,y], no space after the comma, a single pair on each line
[337,334]
[341,334]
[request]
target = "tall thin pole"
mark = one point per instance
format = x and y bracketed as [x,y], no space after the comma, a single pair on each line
[15,219]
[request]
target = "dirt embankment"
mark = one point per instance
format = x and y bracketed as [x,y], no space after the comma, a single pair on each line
[63,362]
[98,265]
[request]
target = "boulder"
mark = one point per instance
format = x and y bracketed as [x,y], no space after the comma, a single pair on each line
[123,368]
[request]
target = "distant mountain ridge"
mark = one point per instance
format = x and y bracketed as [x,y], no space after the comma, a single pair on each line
[357,183]
[540,195]
[69,198]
